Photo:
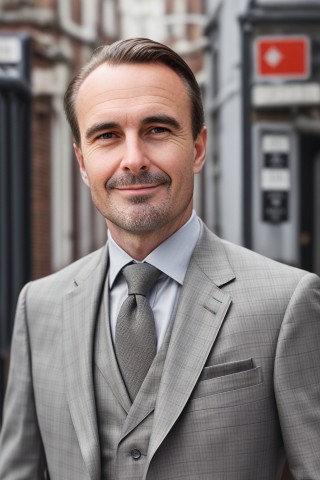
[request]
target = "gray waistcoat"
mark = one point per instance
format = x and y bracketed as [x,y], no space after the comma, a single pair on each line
[124,429]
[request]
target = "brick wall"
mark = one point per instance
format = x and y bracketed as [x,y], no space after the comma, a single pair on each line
[41,188]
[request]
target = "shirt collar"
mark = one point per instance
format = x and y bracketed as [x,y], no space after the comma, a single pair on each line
[171,257]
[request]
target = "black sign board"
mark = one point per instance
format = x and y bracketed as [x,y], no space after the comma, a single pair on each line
[275,206]
[275,178]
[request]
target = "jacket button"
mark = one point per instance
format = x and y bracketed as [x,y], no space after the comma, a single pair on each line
[135,454]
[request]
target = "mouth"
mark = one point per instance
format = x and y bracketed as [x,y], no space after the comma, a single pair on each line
[140,189]
[143,184]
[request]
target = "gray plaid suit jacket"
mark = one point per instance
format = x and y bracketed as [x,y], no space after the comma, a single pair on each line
[240,388]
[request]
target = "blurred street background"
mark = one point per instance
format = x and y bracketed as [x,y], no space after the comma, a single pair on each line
[258,65]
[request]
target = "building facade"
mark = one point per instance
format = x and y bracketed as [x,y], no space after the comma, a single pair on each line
[263,108]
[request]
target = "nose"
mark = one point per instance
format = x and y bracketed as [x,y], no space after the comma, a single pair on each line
[134,158]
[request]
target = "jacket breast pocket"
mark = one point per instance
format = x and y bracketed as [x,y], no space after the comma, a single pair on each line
[226,377]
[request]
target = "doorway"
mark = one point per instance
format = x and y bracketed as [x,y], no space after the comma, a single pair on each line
[309,237]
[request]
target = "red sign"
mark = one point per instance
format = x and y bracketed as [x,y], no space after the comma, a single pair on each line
[283,57]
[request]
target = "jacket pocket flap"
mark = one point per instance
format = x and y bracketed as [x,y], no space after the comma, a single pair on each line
[226,377]
[222,369]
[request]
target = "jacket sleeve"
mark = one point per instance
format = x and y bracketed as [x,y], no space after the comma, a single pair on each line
[21,449]
[297,379]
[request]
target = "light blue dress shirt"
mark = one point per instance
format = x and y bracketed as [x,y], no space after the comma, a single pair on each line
[172,257]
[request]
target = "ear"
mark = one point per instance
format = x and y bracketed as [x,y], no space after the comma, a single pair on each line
[79,156]
[200,150]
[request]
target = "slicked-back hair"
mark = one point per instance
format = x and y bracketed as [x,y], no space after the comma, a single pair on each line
[136,51]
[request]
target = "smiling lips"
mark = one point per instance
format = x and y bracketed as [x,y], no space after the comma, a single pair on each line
[143,183]
[138,188]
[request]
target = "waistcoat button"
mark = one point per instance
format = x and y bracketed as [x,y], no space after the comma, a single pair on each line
[135,454]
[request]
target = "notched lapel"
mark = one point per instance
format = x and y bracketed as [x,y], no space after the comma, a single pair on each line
[202,309]
[145,400]
[106,359]
[195,331]
[80,312]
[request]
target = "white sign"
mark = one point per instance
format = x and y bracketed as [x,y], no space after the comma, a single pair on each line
[9,72]
[275,179]
[10,50]
[275,143]
[286,95]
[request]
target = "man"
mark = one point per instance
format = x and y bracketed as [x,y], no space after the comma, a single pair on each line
[234,387]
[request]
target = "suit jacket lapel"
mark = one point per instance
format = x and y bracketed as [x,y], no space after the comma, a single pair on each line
[80,311]
[145,400]
[201,311]
[105,357]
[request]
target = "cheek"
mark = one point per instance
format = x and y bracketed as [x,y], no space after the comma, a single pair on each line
[182,180]
[175,159]
[182,167]
[99,167]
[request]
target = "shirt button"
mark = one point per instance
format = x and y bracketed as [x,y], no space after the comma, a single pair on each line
[135,454]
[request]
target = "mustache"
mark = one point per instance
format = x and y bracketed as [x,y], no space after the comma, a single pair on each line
[144,178]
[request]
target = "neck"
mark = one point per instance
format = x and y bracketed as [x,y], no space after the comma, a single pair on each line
[139,245]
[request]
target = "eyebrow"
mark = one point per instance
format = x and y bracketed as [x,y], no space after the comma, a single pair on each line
[164,119]
[98,127]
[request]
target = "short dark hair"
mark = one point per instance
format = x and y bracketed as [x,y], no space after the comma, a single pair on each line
[136,51]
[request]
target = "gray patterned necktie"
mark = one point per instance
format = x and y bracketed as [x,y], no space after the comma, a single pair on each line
[135,339]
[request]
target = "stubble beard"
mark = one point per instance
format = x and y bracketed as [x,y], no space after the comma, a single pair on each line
[139,215]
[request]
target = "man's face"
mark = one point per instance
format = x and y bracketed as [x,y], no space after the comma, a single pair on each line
[137,153]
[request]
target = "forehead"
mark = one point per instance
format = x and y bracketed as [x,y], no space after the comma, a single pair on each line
[131,87]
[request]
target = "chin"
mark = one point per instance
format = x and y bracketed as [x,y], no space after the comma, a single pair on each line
[141,220]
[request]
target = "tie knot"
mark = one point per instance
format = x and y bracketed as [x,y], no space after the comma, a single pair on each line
[140,278]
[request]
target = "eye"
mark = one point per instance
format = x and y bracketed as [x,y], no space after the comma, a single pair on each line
[158,130]
[107,135]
